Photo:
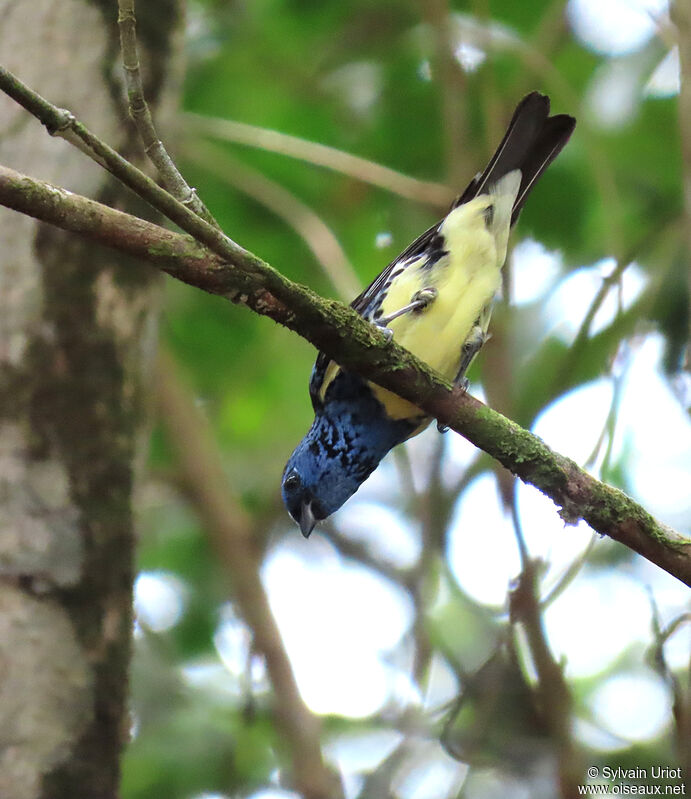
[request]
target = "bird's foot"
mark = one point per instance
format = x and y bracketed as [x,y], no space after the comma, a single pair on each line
[418,302]
[387,332]
[424,297]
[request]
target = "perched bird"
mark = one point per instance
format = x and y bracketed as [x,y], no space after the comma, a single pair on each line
[435,299]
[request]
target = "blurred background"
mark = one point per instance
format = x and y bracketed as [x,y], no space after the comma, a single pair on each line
[448,634]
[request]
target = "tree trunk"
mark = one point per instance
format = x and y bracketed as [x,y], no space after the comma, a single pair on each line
[76,343]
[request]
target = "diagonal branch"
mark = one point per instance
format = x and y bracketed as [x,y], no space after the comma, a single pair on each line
[60,122]
[450,79]
[309,225]
[345,336]
[435,194]
[552,692]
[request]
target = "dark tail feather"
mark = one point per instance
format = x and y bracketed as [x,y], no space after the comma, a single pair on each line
[532,141]
[555,132]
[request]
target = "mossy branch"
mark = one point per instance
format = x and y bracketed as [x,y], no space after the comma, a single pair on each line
[358,346]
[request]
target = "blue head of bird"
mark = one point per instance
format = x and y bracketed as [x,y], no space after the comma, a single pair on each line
[323,472]
[350,434]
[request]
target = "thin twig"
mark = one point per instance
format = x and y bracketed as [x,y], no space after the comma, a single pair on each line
[170,176]
[518,527]
[432,508]
[681,694]
[231,537]
[378,784]
[358,346]
[404,470]
[601,169]
[617,374]
[62,123]
[362,169]
[612,280]
[362,554]
[451,82]
[492,110]
[569,574]
[310,226]
[681,16]
[552,691]
[477,465]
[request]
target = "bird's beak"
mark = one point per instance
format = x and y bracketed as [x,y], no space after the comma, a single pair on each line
[307,519]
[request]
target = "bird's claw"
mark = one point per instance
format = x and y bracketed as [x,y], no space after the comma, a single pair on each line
[419,301]
[464,384]
[387,332]
[442,428]
[424,297]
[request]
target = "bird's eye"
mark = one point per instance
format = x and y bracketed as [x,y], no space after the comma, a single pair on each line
[292,481]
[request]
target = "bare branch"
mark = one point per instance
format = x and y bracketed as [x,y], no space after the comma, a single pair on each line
[358,346]
[451,83]
[60,122]
[140,113]
[362,169]
[680,691]
[552,691]
[681,15]
[310,226]
[232,538]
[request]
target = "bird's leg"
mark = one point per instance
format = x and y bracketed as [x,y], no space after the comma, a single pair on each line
[471,346]
[420,300]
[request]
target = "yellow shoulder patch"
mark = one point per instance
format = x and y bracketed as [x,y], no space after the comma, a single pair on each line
[330,373]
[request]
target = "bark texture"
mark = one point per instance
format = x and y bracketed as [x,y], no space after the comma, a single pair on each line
[76,342]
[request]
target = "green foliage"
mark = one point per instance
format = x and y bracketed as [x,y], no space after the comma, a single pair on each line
[363,78]
[198,743]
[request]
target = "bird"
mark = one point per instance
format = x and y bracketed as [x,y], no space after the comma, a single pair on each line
[435,299]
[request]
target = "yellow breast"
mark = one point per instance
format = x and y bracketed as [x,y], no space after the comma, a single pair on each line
[466,280]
